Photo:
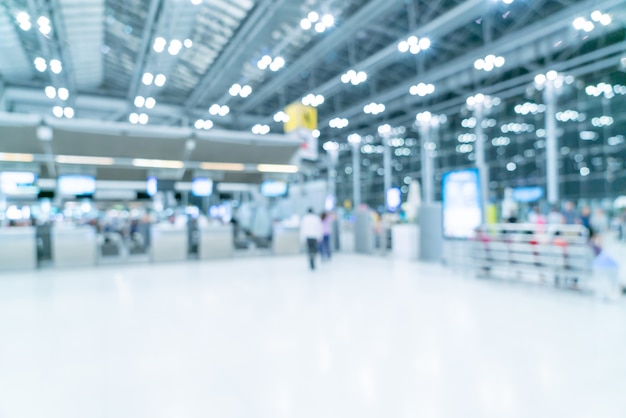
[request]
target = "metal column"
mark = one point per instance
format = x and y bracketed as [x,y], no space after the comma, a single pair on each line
[552,161]
[428,170]
[356,174]
[387,167]
[481,164]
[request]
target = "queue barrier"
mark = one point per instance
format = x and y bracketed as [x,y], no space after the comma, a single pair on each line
[560,254]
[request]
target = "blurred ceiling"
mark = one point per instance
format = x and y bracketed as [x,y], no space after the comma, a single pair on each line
[171,62]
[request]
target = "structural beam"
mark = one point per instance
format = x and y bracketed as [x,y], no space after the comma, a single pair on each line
[367,14]
[153,13]
[520,47]
[232,54]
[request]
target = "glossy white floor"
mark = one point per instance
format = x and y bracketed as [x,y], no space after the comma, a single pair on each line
[360,337]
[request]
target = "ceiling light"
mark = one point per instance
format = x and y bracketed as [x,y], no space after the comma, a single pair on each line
[22,17]
[422,89]
[328,20]
[403,46]
[150,103]
[313,17]
[330,146]
[140,162]
[147,79]
[199,124]
[64,93]
[305,24]
[160,80]
[281,117]
[424,43]
[277,168]
[196,2]
[338,123]
[57,111]
[78,159]
[579,23]
[143,118]
[316,133]
[140,101]
[589,26]
[175,47]
[25,26]
[374,108]
[188,43]
[605,20]
[51,92]
[511,166]
[319,27]
[353,77]
[245,91]
[56,66]
[277,64]
[133,118]
[21,158]
[259,129]
[354,138]
[264,62]
[159,44]
[68,112]
[40,64]
[43,21]
[224,110]
[234,90]
[222,166]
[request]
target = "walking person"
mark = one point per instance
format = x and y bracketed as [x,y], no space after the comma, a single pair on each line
[327,226]
[311,233]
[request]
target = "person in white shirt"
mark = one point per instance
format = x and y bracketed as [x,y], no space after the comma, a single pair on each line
[311,233]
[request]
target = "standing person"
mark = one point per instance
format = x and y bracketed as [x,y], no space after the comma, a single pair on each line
[555,217]
[327,226]
[569,214]
[311,233]
[585,217]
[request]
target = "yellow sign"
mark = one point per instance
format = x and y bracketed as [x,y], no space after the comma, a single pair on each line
[300,116]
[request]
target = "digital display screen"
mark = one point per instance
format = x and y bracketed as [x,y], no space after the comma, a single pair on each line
[394,199]
[272,188]
[15,183]
[151,186]
[202,187]
[527,194]
[76,185]
[462,203]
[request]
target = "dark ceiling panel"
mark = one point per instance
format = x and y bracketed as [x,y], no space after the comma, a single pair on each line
[20,140]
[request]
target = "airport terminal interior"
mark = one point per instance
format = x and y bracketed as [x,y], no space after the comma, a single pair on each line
[312,208]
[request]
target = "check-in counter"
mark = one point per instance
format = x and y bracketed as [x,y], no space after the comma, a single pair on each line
[405,241]
[18,248]
[216,241]
[74,246]
[168,243]
[286,240]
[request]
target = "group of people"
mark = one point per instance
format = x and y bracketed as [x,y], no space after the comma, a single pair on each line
[315,234]
[598,221]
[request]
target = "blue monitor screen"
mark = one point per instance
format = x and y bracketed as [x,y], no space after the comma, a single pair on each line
[76,185]
[15,183]
[272,188]
[151,186]
[527,194]
[202,187]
